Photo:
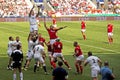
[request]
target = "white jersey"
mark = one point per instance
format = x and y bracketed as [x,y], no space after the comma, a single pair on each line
[38,50]
[93,61]
[10,46]
[17,43]
[33,20]
[31,45]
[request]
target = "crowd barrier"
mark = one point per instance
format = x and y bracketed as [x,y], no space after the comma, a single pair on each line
[102,18]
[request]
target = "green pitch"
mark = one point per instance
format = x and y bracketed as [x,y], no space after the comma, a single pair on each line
[96,42]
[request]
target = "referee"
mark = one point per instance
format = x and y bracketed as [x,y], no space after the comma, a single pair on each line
[59,73]
[17,58]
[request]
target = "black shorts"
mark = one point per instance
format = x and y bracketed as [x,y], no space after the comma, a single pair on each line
[16,65]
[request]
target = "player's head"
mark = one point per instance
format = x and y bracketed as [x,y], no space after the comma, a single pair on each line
[32,13]
[51,26]
[75,43]
[11,38]
[58,39]
[17,38]
[60,63]
[89,53]
[18,47]
[106,63]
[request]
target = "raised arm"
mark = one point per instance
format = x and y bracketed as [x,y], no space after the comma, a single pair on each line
[31,11]
[45,23]
[38,12]
[62,27]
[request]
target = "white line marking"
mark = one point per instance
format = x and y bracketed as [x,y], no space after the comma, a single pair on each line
[69,41]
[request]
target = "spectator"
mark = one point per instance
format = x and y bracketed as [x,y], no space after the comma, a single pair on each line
[59,73]
[106,72]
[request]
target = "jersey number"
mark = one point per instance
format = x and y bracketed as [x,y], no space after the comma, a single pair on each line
[93,60]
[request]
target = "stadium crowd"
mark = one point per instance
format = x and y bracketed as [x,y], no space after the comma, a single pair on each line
[71,7]
[13,8]
[20,8]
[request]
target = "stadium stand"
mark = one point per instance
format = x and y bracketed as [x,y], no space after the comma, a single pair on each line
[14,8]
[21,8]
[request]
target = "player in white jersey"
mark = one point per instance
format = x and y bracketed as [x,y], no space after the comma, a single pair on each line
[95,64]
[38,53]
[10,50]
[33,20]
[17,42]
[31,44]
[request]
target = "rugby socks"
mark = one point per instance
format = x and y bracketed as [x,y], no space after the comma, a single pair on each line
[77,68]
[14,76]
[81,69]
[84,37]
[21,76]
[66,63]
[53,64]
[44,67]
[35,67]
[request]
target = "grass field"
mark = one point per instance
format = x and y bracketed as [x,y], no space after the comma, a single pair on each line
[96,42]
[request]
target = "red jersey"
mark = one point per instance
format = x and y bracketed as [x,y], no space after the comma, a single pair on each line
[49,47]
[110,28]
[52,33]
[42,40]
[54,21]
[57,46]
[78,50]
[83,25]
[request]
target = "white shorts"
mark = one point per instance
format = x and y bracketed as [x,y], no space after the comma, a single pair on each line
[80,57]
[9,53]
[33,28]
[49,53]
[52,41]
[95,71]
[83,30]
[110,34]
[29,55]
[39,58]
[55,55]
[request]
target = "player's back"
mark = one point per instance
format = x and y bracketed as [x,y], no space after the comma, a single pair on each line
[38,50]
[17,55]
[57,47]
[93,61]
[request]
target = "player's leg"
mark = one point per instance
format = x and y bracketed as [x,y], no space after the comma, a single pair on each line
[94,73]
[50,58]
[54,60]
[65,62]
[14,74]
[20,71]
[44,65]
[77,66]
[83,34]
[80,66]
[14,71]
[80,61]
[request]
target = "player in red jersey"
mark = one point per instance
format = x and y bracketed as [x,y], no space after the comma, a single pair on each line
[57,53]
[110,33]
[50,51]
[79,57]
[83,29]
[52,31]
[41,39]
